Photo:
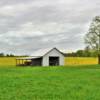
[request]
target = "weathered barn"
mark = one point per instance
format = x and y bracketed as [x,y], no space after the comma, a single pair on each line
[46,57]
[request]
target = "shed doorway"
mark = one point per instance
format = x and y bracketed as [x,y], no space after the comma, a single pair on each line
[36,62]
[53,61]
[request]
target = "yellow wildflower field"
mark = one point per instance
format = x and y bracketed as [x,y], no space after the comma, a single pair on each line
[80,60]
[7,61]
[68,61]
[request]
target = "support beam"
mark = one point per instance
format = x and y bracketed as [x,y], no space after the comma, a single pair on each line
[99,50]
[16,62]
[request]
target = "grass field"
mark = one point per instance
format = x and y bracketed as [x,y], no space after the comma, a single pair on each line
[68,60]
[51,83]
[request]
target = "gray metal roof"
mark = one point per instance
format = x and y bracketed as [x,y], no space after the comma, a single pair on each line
[41,52]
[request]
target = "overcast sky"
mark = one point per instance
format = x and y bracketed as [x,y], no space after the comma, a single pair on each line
[27,25]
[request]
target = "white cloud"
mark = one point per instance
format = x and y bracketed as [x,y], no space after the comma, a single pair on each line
[25,30]
[13,10]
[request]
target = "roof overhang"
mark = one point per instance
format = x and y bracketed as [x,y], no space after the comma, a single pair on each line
[27,58]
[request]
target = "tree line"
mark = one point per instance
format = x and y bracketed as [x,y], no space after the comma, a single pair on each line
[83,53]
[11,55]
[6,55]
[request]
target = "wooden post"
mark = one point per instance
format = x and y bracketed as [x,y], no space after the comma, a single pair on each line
[22,61]
[99,50]
[16,62]
[19,61]
[98,58]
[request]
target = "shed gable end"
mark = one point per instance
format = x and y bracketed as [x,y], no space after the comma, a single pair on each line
[54,52]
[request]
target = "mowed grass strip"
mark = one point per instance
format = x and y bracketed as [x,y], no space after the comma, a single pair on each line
[50,83]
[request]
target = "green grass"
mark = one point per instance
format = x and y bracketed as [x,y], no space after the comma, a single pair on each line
[50,83]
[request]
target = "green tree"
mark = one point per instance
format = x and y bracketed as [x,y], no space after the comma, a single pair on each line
[92,38]
[1,54]
[79,53]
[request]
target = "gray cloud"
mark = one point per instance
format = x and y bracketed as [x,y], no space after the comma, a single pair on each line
[26,25]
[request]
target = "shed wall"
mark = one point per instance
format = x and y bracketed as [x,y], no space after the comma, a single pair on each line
[53,53]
